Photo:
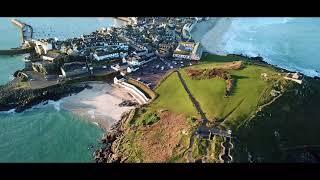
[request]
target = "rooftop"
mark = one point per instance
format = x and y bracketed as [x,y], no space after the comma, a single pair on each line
[73,65]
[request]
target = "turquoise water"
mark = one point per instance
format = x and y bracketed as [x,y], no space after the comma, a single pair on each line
[67,27]
[45,133]
[9,38]
[291,43]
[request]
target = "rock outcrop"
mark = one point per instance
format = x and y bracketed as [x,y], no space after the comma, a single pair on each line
[20,99]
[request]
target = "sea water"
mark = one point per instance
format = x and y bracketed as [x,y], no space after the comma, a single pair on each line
[45,133]
[290,43]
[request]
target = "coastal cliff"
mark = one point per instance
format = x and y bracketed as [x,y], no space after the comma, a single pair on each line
[289,127]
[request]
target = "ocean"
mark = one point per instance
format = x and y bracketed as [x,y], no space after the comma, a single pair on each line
[290,43]
[45,133]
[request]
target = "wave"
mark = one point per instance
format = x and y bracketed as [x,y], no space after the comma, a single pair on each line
[11,111]
[57,105]
[95,123]
[244,36]
[290,67]
[92,114]
[260,22]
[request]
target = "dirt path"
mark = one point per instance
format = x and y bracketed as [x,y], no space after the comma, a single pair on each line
[204,119]
[203,130]
[193,99]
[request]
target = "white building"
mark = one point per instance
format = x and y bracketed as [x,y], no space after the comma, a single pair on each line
[133,20]
[132,69]
[105,57]
[47,58]
[42,47]
[141,52]
[123,54]
[134,61]
[188,50]
[118,79]
[117,67]
[186,30]
[124,60]
[296,77]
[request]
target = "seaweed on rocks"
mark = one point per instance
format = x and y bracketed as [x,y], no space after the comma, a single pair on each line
[128,103]
[109,152]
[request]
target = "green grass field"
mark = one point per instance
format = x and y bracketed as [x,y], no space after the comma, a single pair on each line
[287,115]
[173,97]
[249,87]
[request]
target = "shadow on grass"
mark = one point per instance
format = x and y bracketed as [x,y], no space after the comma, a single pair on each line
[235,82]
[209,58]
[236,107]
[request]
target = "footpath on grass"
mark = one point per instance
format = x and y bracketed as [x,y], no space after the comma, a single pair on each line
[204,131]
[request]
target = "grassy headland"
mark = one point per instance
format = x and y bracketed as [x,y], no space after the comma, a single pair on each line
[161,131]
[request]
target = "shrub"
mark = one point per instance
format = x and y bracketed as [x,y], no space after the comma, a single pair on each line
[150,119]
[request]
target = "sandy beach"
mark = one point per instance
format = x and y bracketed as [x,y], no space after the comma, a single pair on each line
[210,33]
[99,104]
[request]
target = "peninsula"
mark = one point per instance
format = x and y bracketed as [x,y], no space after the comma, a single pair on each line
[165,97]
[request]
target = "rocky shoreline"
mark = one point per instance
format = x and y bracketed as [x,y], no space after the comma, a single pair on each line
[259,60]
[110,152]
[107,154]
[21,99]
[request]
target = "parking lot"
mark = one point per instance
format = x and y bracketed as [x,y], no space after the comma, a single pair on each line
[176,63]
[151,72]
[38,80]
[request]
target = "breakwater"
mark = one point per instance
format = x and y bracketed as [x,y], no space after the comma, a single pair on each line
[13,96]
[26,32]
[16,51]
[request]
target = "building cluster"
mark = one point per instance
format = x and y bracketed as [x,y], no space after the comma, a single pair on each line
[296,77]
[122,49]
[188,50]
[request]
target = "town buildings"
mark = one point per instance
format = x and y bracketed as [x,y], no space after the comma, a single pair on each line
[188,50]
[123,49]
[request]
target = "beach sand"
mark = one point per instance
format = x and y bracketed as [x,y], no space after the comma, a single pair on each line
[99,104]
[210,33]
